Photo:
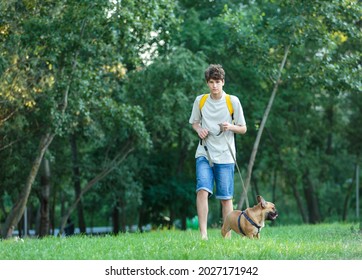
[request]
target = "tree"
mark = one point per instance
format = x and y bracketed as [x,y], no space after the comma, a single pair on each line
[72,56]
[295,26]
[44,227]
[48,136]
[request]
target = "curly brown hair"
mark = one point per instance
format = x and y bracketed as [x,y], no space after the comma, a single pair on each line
[214,71]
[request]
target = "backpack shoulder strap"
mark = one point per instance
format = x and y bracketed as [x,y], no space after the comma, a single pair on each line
[229,104]
[203,100]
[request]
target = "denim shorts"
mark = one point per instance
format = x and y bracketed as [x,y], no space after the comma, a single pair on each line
[221,174]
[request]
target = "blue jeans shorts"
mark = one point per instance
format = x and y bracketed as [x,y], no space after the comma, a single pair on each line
[221,174]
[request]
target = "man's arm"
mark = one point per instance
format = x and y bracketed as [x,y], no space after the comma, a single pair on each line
[238,129]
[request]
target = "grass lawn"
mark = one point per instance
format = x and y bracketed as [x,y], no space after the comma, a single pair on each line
[305,242]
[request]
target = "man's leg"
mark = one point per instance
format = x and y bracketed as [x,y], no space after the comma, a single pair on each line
[227,207]
[204,188]
[202,205]
[224,177]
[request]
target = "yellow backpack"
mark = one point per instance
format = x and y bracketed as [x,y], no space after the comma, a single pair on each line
[228,103]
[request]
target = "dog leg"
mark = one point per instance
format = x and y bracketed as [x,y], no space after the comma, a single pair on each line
[225,229]
[224,232]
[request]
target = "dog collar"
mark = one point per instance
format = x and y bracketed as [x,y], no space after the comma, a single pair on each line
[250,221]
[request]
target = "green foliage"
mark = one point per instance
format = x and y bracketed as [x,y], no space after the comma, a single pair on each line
[65,61]
[130,71]
[305,135]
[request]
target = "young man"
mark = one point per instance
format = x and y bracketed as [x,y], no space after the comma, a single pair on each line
[214,161]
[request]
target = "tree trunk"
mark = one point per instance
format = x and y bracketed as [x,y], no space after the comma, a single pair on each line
[183,156]
[119,158]
[330,124]
[358,193]
[122,205]
[347,200]
[183,222]
[292,181]
[141,218]
[311,198]
[255,188]
[44,199]
[52,210]
[260,132]
[21,227]
[18,209]
[77,187]
[3,206]
[115,219]
[275,180]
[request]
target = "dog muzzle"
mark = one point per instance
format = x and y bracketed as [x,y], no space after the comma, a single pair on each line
[272,216]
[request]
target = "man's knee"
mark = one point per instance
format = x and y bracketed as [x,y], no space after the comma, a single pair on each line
[203,194]
[226,202]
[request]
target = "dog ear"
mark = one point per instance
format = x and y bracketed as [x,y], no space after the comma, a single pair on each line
[261,200]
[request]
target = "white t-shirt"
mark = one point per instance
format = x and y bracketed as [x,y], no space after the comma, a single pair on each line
[213,113]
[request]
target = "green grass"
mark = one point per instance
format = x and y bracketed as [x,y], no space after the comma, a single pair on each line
[305,242]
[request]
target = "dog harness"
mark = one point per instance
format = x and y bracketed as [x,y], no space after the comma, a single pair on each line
[250,221]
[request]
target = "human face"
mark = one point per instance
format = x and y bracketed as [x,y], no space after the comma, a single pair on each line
[215,87]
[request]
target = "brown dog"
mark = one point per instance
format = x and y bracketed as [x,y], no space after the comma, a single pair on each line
[250,221]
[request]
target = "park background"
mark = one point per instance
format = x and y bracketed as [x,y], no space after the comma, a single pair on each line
[95,98]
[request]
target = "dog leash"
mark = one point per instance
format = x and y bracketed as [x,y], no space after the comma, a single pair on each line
[237,166]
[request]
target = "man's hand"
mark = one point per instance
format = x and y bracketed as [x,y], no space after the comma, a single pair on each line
[202,132]
[225,126]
